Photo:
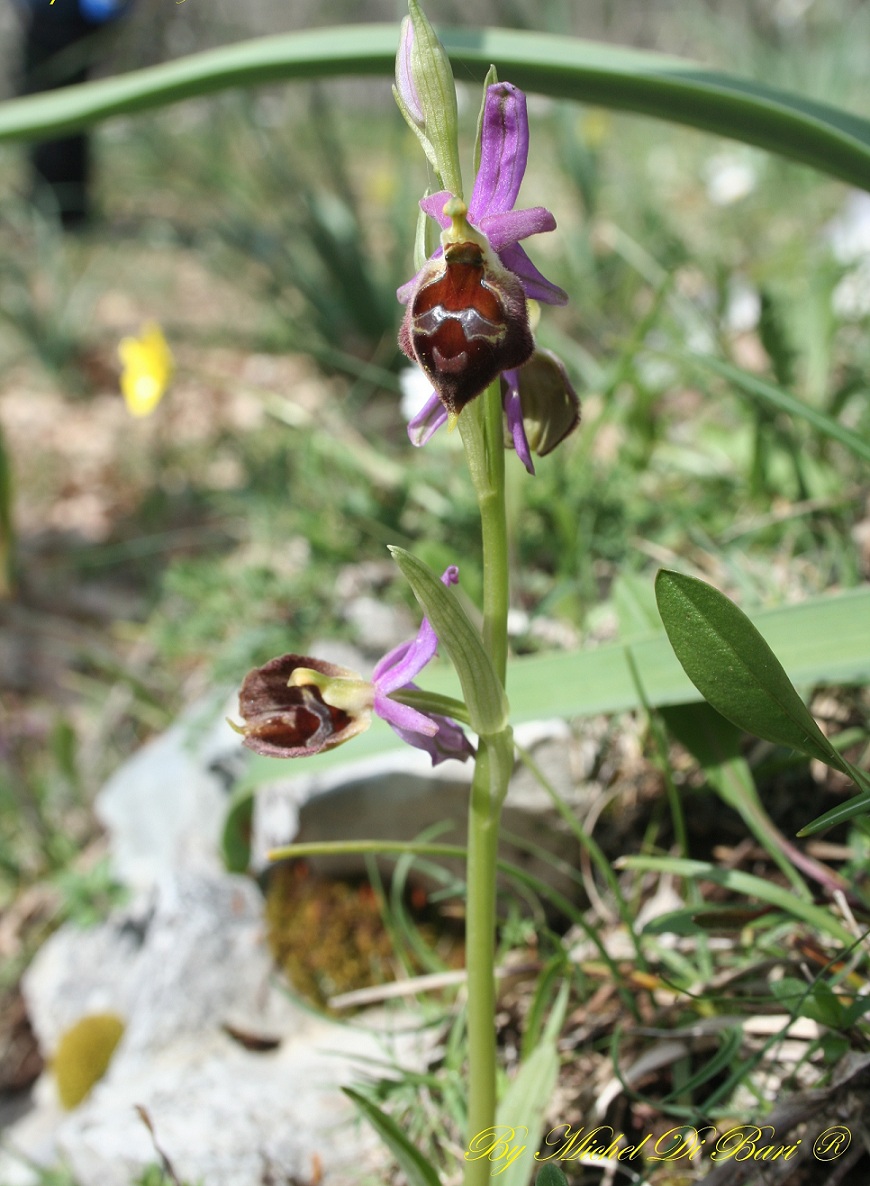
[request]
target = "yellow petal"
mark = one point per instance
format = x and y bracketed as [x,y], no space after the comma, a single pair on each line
[147,369]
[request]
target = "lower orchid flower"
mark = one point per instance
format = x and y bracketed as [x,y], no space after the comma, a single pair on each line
[295,706]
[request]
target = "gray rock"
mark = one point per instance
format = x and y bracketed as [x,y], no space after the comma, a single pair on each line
[179,965]
[165,807]
[177,961]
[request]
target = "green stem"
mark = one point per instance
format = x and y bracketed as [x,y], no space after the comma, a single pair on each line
[482,435]
[483,438]
[480,962]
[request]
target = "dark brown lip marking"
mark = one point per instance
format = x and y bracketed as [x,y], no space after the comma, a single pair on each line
[464,327]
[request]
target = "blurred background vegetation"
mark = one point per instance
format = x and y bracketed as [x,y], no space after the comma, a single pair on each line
[154,561]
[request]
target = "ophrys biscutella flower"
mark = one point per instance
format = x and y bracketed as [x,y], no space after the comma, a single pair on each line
[295,706]
[467,319]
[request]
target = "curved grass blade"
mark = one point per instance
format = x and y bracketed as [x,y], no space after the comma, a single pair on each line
[834,141]
[412,1163]
[784,401]
[838,815]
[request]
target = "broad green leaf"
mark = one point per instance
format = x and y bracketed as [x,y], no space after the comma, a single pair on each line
[417,1170]
[550,1175]
[685,92]
[734,669]
[482,691]
[817,917]
[784,401]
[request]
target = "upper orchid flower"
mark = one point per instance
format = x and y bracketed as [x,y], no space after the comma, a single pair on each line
[295,706]
[467,320]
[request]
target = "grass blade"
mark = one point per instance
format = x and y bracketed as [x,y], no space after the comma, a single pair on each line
[834,141]
[784,401]
[818,917]
[417,1171]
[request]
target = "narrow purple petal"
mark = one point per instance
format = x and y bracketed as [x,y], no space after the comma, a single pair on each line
[503,230]
[398,668]
[427,421]
[538,287]
[504,151]
[401,665]
[448,741]
[403,718]
[514,412]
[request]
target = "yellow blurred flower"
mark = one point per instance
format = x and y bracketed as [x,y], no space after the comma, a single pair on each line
[147,368]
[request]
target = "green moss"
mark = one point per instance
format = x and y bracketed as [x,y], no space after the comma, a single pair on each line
[329,936]
[83,1055]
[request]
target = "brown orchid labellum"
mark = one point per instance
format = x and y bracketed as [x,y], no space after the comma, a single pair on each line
[467,319]
[284,711]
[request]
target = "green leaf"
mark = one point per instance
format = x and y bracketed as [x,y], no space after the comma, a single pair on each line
[413,1165]
[525,1102]
[550,1175]
[733,667]
[732,1040]
[714,742]
[481,689]
[834,141]
[838,815]
[784,401]
[236,838]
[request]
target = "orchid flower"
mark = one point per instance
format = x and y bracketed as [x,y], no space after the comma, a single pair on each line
[467,318]
[295,706]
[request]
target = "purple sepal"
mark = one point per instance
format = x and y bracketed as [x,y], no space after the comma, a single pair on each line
[504,151]
[513,410]
[427,421]
[440,737]
[405,720]
[448,741]
[504,229]
[538,287]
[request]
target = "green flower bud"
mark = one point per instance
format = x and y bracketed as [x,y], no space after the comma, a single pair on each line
[426,96]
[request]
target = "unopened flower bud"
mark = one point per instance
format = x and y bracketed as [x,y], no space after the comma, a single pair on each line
[426,95]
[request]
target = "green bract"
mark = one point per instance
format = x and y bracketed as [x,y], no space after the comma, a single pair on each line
[484,695]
